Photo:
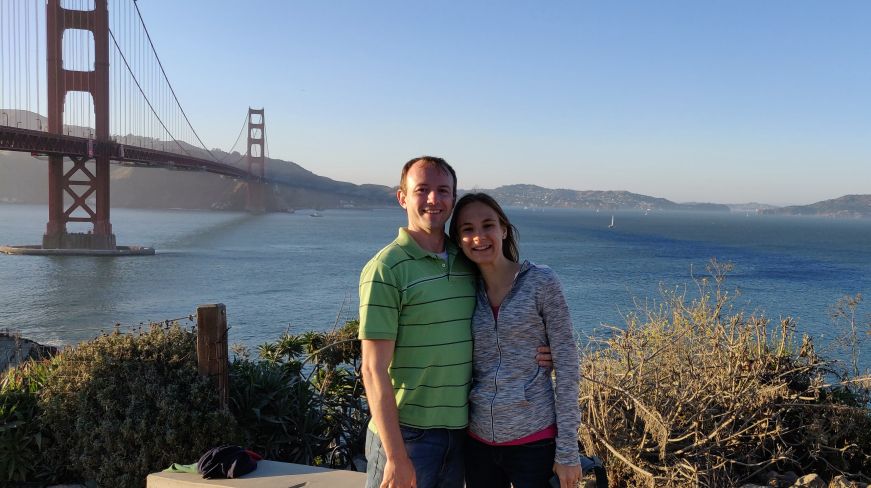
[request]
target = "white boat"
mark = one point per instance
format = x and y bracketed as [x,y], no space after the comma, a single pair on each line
[612,223]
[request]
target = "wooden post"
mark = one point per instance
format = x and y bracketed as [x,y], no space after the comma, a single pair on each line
[212,355]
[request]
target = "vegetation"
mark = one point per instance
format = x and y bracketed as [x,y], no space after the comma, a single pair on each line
[121,406]
[124,405]
[22,444]
[691,393]
[302,401]
[687,393]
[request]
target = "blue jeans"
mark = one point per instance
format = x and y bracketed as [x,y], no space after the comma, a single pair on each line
[437,456]
[524,466]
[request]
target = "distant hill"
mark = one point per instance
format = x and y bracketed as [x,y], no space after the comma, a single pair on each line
[24,179]
[536,196]
[848,206]
[750,207]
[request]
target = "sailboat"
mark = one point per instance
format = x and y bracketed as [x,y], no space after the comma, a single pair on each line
[612,223]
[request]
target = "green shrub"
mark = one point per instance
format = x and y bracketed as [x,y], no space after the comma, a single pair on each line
[302,401]
[21,440]
[338,378]
[125,405]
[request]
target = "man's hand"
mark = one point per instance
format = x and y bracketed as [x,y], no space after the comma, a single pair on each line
[543,357]
[399,473]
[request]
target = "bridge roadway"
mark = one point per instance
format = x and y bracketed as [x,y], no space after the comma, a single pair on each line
[28,140]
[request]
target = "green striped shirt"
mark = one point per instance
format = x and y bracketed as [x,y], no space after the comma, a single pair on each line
[425,304]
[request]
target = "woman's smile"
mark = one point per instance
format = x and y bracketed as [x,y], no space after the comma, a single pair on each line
[481,233]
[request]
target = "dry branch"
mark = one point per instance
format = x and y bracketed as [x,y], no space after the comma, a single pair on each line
[704,398]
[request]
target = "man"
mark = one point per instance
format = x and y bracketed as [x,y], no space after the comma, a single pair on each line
[417,296]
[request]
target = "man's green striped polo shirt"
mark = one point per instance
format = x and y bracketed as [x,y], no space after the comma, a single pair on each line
[425,304]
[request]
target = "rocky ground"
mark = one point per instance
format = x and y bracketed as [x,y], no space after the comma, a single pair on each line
[792,480]
[15,349]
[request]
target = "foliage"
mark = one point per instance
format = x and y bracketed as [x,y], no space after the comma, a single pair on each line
[845,309]
[693,394]
[21,440]
[124,405]
[302,400]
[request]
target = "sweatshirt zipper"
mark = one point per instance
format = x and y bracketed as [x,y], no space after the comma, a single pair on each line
[499,351]
[495,376]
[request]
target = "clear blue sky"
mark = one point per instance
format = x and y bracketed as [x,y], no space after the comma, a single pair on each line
[729,102]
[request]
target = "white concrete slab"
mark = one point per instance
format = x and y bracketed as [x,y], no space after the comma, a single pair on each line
[269,474]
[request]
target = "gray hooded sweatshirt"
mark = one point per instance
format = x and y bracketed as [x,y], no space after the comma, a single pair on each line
[512,397]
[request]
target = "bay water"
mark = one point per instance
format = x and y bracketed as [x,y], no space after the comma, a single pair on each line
[296,272]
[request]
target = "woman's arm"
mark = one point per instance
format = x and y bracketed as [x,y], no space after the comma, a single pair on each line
[566,362]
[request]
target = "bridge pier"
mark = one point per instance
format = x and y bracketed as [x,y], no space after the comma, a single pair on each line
[79,240]
[79,183]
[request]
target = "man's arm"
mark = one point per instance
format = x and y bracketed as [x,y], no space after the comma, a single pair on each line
[377,355]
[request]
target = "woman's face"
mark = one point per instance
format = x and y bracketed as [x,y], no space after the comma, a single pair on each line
[480,233]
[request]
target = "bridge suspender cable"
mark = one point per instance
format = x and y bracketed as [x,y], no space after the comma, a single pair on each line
[241,130]
[36,30]
[159,63]
[124,58]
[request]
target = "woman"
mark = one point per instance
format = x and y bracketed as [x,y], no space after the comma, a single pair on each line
[521,431]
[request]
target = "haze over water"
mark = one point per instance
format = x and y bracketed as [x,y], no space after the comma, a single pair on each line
[278,269]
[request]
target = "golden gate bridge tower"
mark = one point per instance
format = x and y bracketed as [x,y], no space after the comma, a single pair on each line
[256,159]
[79,182]
[149,128]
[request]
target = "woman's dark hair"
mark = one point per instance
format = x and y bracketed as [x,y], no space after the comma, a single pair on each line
[509,244]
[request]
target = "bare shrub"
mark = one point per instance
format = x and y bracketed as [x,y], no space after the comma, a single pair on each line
[691,393]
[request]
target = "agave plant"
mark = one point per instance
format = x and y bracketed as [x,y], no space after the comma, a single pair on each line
[298,409]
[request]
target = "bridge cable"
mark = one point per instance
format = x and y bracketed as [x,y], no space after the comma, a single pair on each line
[27,54]
[17,84]
[38,89]
[13,82]
[59,82]
[148,36]
[241,129]
[124,58]
[3,70]
[92,25]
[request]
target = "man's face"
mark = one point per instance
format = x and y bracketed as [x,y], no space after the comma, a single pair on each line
[428,197]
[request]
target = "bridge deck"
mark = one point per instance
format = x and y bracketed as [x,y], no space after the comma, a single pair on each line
[27,140]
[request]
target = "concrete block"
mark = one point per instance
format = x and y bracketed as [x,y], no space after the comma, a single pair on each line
[269,474]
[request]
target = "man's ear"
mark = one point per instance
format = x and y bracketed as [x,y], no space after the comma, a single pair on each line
[400,197]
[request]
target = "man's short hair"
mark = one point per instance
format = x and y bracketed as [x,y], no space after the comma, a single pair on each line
[428,161]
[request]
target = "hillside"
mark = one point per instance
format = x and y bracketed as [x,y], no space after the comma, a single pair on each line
[23,179]
[848,206]
[536,196]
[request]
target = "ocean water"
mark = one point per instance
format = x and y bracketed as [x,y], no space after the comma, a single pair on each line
[277,272]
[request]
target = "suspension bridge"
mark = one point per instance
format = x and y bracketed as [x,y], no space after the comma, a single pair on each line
[82,84]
